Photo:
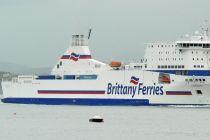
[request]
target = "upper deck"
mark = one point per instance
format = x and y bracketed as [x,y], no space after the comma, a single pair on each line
[189,55]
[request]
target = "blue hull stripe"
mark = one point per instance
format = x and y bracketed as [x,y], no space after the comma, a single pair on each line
[77,101]
[87,101]
[189,72]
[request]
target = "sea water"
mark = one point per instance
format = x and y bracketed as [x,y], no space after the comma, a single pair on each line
[46,122]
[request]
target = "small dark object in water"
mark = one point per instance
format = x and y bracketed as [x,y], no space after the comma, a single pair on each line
[96,119]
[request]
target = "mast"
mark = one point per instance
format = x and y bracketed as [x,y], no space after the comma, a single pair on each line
[205,28]
[89,33]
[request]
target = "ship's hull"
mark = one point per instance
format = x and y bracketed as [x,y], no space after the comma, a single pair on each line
[110,88]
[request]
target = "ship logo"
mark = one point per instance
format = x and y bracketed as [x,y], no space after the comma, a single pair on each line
[134,80]
[74,56]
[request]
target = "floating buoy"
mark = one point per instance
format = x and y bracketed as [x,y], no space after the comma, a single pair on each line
[96,119]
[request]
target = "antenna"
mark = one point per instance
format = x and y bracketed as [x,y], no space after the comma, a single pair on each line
[89,33]
[205,28]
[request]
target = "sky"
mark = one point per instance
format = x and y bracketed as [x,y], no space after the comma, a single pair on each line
[35,33]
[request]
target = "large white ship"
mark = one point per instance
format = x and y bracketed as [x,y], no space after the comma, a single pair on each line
[176,73]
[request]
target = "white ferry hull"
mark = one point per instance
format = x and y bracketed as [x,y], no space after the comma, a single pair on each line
[100,92]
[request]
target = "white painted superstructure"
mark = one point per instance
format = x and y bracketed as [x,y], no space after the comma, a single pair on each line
[175,73]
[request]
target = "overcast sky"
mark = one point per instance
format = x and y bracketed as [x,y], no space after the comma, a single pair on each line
[35,33]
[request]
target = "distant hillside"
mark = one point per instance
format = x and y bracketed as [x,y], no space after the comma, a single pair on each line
[20,69]
[10,70]
[8,75]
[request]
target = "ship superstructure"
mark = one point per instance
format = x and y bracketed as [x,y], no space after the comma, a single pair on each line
[176,73]
[190,55]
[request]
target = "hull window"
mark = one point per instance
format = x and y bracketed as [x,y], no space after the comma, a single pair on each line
[199,92]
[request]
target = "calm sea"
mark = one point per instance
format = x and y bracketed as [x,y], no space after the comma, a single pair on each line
[44,122]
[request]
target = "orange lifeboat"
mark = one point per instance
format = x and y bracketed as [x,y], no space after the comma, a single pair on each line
[165,79]
[115,64]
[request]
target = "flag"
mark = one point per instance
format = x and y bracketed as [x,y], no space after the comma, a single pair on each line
[134,80]
[74,56]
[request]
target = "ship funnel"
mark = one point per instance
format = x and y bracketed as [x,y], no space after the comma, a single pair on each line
[78,40]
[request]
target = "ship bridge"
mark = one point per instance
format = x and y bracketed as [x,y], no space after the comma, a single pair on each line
[196,42]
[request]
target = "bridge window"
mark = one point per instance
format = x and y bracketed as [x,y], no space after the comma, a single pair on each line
[206,45]
[195,45]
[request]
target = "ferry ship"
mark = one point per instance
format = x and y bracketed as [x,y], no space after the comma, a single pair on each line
[176,73]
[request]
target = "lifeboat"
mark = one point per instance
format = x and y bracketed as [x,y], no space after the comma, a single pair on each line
[164,78]
[115,64]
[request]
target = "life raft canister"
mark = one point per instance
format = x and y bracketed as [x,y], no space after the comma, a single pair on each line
[115,64]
